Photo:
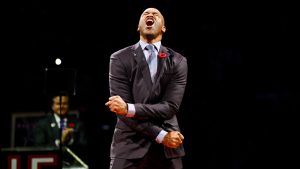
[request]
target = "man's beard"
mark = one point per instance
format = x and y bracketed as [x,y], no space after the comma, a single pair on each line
[149,36]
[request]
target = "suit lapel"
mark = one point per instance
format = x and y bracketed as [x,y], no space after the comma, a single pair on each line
[161,61]
[54,127]
[142,65]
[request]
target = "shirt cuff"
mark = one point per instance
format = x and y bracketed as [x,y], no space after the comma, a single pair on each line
[71,141]
[57,142]
[160,137]
[131,110]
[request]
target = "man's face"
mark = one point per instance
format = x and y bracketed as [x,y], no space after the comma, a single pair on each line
[151,23]
[60,108]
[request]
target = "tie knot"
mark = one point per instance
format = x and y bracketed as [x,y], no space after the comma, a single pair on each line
[150,47]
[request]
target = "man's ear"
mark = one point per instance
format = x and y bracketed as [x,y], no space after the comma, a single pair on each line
[164,29]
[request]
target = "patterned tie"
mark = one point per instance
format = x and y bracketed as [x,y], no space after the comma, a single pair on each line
[62,124]
[152,61]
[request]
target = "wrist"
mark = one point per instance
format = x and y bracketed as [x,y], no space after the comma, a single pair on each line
[126,109]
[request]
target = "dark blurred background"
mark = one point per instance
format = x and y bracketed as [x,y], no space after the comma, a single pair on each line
[242,93]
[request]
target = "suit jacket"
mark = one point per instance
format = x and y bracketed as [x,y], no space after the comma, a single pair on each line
[46,132]
[156,103]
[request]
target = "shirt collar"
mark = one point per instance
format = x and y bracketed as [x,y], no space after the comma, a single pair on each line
[57,118]
[156,44]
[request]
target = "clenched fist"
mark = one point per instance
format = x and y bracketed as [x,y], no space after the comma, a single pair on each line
[173,139]
[117,105]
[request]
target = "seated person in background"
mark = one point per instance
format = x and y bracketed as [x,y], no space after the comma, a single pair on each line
[58,123]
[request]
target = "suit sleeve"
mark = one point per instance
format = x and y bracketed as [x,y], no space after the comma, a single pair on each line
[172,94]
[79,145]
[40,138]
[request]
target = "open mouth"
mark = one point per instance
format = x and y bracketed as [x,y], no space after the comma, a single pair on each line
[149,22]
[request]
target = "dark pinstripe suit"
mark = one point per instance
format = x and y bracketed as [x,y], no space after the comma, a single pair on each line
[156,103]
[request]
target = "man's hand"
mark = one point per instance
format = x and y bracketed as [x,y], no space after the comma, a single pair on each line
[173,139]
[117,105]
[67,134]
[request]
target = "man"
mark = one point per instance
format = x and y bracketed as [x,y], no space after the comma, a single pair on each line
[146,97]
[60,128]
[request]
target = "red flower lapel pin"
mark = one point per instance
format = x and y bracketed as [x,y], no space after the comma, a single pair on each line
[71,125]
[162,55]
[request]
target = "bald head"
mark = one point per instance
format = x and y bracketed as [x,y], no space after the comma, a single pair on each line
[151,25]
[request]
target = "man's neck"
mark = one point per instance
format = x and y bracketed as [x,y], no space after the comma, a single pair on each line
[151,40]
